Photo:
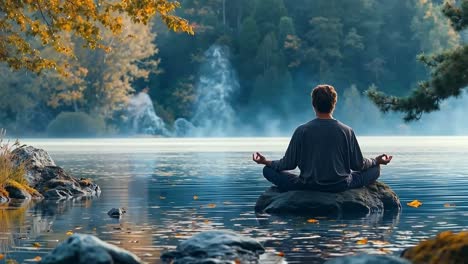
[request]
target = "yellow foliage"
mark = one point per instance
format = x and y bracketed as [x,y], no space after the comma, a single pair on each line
[48,21]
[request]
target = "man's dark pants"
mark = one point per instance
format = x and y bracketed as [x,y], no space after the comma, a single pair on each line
[287,181]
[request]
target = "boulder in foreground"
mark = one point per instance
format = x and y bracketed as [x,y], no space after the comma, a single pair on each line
[368,259]
[85,249]
[447,248]
[50,180]
[215,247]
[377,197]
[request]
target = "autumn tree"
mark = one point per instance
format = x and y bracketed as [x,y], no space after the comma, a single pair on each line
[28,24]
[448,72]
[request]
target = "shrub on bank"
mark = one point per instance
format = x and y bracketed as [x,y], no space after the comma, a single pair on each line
[76,124]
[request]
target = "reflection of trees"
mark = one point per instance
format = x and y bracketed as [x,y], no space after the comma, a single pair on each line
[12,218]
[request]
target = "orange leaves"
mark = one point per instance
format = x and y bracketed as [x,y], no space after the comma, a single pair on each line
[2,256]
[447,205]
[414,204]
[195,197]
[69,233]
[313,221]
[82,19]
[37,259]
[211,205]
[362,241]
[280,254]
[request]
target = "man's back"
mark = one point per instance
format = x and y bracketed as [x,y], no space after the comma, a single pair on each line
[325,150]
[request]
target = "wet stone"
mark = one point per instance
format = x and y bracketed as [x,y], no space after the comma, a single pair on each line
[17,193]
[50,180]
[81,249]
[215,247]
[368,259]
[116,212]
[375,198]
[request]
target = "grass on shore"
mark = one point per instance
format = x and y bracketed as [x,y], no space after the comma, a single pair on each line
[11,174]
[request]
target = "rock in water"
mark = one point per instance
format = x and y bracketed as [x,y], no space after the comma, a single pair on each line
[116,212]
[374,198]
[50,180]
[215,247]
[447,248]
[368,259]
[88,249]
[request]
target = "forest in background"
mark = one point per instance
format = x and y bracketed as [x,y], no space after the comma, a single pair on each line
[280,50]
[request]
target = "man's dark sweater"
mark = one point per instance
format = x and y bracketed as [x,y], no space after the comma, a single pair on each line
[326,151]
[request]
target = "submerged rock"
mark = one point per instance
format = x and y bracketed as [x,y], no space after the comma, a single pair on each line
[377,197]
[84,249]
[50,180]
[215,247]
[368,259]
[116,212]
[447,248]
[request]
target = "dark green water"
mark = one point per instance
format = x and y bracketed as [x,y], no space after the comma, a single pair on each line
[157,179]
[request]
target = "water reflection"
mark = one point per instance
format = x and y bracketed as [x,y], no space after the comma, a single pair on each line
[171,195]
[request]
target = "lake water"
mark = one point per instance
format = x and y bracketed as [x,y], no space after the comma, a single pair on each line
[174,188]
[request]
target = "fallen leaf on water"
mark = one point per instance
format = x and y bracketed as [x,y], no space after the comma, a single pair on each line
[227,202]
[37,259]
[313,221]
[378,242]
[237,261]
[206,221]
[2,256]
[449,205]
[362,241]
[296,250]
[195,197]
[36,245]
[162,197]
[281,254]
[414,204]
[69,233]
[211,205]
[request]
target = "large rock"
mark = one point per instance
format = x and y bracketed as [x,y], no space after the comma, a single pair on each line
[50,180]
[368,259]
[447,248]
[215,247]
[88,249]
[377,197]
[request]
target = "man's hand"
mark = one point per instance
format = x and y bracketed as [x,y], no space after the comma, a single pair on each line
[259,158]
[383,159]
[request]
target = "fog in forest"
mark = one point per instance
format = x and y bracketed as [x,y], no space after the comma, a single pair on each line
[248,71]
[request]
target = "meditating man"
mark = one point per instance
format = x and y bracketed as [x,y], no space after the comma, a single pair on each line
[326,152]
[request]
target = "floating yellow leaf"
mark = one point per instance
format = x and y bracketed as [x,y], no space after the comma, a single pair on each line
[2,256]
[206,221]
[211,205]
[162,197]
[313,221]
[449,205]
[37,259]
[281,254]
[378,242]
[36,245]
[415,204]
[69,233]
[195,197]
[362,241]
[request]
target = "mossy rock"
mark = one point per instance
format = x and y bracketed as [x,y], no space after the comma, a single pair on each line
[447,248]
